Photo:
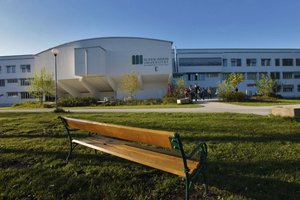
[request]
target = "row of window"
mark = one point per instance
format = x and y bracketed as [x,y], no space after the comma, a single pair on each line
[247,76]
[23,95]
[12,68]
[201,76]
[252,62]
[23,81]
[282,88]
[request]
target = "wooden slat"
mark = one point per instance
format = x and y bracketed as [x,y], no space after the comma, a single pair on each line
[168,163]
[142,135]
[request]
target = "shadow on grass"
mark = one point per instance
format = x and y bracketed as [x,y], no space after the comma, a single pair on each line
[247,179]
[263,138]
[240,178]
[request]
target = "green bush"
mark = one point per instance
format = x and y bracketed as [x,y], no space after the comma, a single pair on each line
[169,99]
[28,104]
[133,102]
[77,101]
[59,110]
[232,96]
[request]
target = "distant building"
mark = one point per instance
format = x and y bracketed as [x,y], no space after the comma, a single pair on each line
[208,67]
[93,67]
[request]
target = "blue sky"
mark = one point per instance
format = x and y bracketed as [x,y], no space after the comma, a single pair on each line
[31,26]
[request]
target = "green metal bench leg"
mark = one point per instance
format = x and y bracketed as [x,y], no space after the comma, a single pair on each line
[72,147]
[205,193]
[187,189]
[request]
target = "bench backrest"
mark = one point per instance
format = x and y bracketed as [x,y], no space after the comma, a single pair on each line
[142,135]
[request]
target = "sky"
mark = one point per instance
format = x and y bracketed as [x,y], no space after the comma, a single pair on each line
[31,26]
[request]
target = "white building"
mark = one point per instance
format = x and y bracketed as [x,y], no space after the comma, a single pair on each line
[208,67]
[93,67]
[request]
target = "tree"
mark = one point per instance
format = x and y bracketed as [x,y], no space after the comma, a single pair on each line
[178,85]
[129,84]
[234,79]
[265,86]
[42,85]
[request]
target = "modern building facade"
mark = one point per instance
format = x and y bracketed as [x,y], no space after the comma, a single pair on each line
[209,67]
[94,67]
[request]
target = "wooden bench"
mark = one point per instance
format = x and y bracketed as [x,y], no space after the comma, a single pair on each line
[161,150]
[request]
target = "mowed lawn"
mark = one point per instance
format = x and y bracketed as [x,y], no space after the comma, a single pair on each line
[250,157]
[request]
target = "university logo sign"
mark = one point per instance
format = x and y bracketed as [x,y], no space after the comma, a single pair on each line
[152,61]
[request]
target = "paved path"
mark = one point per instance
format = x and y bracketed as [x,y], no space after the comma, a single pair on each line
[210,106]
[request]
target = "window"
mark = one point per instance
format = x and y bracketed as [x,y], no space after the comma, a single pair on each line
[251,76]
[200,61]
[12,94]
[0,69]
[287,88]
[26,95]
[297,62]
[212,75]
[188,77]
[236,62]
[2,83]
[225,76]
[25,82]
[287,75]
[298,86]
[287,62]
[262,73]
[251,85]
[224,62]
[12,80]
[25,68]
[201,77]
[275,75]
[296,75]
[265,62]
[277,62]
[251,62]
[11,69]
[137,59]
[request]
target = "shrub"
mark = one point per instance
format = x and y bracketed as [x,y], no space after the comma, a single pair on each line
[59,110]
[28,104]
[77,101]
[169,99]
[233,96]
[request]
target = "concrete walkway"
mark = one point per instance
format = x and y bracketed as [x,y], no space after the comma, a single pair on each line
[209,106]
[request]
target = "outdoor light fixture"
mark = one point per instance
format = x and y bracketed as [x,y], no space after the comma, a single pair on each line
[55,53]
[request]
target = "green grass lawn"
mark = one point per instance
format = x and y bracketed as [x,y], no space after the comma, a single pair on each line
[269,103]
[250,157]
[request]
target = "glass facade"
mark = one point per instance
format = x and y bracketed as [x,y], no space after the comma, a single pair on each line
[200,62]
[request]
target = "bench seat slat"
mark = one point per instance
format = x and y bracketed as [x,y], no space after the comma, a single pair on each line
[164,162]
[146,136]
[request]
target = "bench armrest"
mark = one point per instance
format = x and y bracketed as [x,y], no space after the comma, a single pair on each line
[200,148]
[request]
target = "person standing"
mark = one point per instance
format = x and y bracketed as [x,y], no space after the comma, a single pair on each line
[209,92]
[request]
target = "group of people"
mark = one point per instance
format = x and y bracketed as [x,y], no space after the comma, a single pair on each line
[196,92]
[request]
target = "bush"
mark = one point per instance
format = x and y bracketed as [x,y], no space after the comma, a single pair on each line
[169,99]
[233,96]
[77,101]
[28,104]
[59,110]
[133,102]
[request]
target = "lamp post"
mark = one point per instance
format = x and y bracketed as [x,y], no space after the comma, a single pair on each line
[55,53]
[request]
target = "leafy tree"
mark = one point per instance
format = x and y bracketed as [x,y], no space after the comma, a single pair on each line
[265,86]
[42,85]
[234,79]
[178,90]
[129,84]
